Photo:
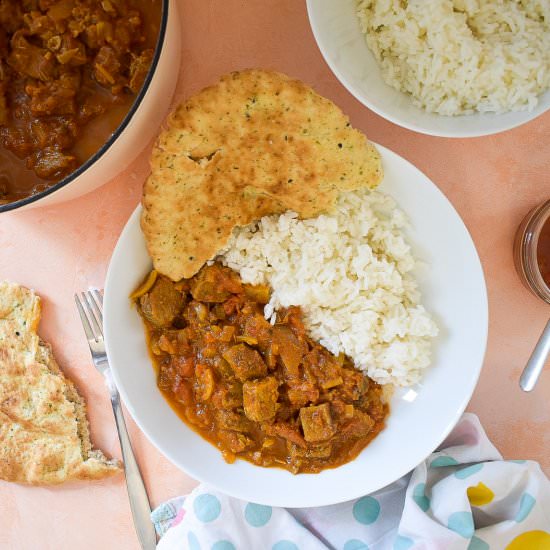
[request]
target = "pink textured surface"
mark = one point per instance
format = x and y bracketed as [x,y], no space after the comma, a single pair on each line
[491,181]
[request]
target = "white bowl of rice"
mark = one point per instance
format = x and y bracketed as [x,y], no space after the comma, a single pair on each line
[450,68]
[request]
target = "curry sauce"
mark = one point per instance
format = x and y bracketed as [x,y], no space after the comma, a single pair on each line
[266,393]
[543,252]
[69,72]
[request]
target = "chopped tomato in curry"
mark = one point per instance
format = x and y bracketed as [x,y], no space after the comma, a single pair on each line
[268,394]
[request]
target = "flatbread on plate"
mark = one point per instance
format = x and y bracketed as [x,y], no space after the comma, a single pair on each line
[255,143]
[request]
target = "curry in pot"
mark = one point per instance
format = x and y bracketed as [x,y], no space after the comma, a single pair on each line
[266,393]
[69,72]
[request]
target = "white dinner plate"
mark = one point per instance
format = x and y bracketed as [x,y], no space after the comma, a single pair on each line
[453,288]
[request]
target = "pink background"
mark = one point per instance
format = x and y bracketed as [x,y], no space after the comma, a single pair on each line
[491,181]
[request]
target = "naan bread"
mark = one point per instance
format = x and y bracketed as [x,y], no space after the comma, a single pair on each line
[255,143]
[44,435]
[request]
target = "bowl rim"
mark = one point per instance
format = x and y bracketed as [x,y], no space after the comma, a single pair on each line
[118,131]
[454,134]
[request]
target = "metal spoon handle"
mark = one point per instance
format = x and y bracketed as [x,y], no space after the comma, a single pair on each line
[536,362]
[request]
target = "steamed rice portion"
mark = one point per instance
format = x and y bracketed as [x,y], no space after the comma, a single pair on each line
[350,274]
[461,56]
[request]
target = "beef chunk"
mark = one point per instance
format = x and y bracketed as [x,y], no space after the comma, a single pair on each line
[163,303]
[317,422]
[302,393]
[56,97]
[354,385]
[325,367]
[107,67]
[4,114]
[51,163]
[11,15]
[246,362]
[231,420]
[257,327]
[286,431]
[69,51]
[322,450]
[50,132]
[359,426]
[228,396]
[214,284]
[31,60]
[290,348]
[139,67]
[260,399]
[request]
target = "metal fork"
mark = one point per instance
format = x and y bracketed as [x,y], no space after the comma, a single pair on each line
[90,308]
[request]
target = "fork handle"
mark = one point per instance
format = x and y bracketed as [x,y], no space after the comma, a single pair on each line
[139,503]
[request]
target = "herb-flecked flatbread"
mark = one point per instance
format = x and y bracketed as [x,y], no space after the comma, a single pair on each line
[44,434]
[255,143]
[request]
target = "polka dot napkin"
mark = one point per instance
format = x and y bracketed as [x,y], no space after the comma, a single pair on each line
[463,497]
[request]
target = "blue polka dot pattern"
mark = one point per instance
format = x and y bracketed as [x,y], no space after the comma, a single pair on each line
[525,506]
[223,545]
[207,507]
[284,545]
[420,497]
[193,541]
[462,523]
[257,515]
[355,544]
[442,461]
[366,510]
[468,471]
[402,543]
[477,544]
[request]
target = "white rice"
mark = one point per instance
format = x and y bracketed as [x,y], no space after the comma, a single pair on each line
[460,56]
[350,274]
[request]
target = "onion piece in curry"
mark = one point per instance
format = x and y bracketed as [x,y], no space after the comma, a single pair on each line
[266,393]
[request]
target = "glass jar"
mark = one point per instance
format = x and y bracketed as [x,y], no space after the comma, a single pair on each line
[526,251]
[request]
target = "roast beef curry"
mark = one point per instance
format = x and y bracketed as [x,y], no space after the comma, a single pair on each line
[265,393]
[69,72]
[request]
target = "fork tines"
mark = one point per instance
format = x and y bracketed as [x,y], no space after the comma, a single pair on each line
[90,308]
